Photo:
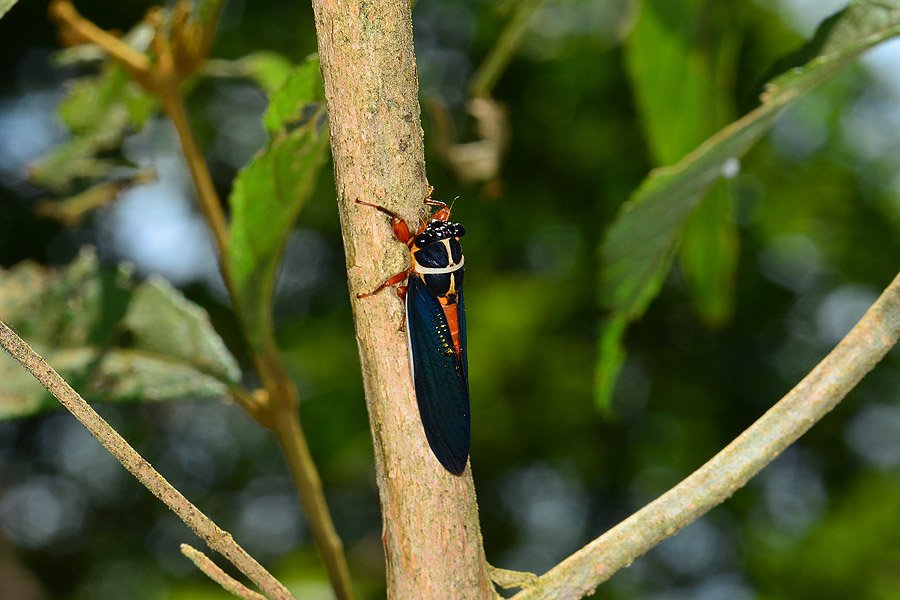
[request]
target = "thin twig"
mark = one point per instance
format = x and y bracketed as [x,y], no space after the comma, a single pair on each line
[215,537]
[495,62]
[207,198]
[279,407]
[280,411]
[713,483]
[508,579]
[312,497]
[79,30]
[214,572]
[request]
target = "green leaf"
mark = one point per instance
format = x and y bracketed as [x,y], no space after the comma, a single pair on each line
[681,56]
[268,195]
[612,350]
[267,69]
[99,111]
[300,96]
[5,5]
[708,255]
[90,98]
[164,322]
[112,341]
[207,11]
[637,251]
[76,158]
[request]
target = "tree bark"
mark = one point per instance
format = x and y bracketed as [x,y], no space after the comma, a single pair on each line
[431,534]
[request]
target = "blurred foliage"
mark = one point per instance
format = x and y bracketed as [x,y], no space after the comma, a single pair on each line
[678,63]
[638,249]
[858,524]
[99,111]
[591,110]
[270,192]
[107,339]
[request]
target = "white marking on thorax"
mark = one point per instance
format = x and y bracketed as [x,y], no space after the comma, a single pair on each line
[440,270]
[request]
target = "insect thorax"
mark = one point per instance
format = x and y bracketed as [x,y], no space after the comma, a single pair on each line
[437,257]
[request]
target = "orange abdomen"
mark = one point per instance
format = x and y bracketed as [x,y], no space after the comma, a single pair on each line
[451,313]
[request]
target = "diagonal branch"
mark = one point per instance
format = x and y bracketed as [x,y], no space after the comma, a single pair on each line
[713,483]
[215,537]
[214,572]
[490,70]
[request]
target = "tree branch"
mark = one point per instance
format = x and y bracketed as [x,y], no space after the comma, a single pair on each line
[508,579]
[75,29]
[312,497]
[713,483]
[215,537]
[215,573]
[431,534]
[205,189]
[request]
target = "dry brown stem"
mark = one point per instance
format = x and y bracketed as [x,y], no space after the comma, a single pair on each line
[215,573]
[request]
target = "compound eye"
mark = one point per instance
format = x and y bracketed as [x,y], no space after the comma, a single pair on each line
[423,239]
[458,230]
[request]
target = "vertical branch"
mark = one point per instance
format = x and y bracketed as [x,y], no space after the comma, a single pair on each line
[431,534]
[207,198]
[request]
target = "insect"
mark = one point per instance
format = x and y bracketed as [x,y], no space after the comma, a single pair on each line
[436,328]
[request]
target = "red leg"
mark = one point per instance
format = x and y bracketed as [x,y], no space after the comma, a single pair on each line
[388,283]
[398,225]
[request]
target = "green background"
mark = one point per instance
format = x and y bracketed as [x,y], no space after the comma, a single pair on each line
[593,105]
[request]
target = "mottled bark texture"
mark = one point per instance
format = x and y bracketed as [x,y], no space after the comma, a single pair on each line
[432,539]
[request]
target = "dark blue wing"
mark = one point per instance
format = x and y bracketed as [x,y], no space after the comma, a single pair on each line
[442,386]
